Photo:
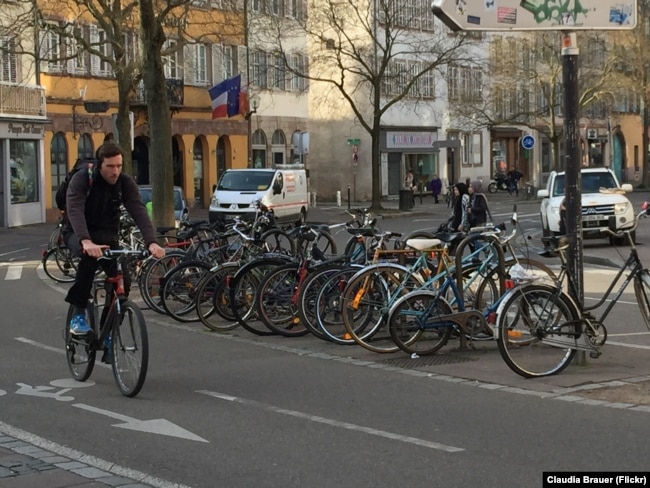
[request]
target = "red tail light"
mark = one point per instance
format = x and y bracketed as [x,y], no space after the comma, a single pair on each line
[510,284]
[492,317]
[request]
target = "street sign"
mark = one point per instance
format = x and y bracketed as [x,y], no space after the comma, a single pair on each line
[453,144]
[521,15]
[528,142]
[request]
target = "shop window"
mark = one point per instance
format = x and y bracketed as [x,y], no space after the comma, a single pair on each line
[23,166]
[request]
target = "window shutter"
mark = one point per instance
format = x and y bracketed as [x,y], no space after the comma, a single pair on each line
[242,66]
[189,63]
[70,49]
[93,34]
[217,64]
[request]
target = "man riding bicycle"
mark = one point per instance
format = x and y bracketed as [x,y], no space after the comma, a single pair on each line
[93,218]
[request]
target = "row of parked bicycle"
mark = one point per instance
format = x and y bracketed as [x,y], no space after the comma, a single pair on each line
[385,292]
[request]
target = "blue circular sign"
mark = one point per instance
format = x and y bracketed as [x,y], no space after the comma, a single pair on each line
[528,142]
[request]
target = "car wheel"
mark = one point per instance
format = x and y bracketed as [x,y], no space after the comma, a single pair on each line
[303,217]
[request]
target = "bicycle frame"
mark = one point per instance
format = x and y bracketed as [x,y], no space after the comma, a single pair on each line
[632,264]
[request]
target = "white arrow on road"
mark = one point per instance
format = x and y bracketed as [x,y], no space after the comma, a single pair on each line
[155,426]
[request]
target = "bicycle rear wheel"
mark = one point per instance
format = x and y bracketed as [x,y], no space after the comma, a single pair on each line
[60,265]
[80,351]
[179,288]
[537,330]
[130,347]
[150,278]
[642,293]
[213,299]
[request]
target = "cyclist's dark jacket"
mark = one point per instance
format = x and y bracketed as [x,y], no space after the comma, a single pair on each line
[95,214]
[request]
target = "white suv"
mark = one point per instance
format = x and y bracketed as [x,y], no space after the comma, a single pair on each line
[602,198]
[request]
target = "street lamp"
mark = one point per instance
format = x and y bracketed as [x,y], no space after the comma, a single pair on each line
[254,102]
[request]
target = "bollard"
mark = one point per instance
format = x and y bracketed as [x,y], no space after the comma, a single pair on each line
[338,198]
[313,196]
[349,202]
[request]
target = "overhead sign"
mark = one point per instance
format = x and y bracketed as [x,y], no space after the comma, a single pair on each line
[528,142]
[520,15]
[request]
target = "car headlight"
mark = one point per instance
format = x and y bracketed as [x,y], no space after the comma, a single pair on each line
[621,208]
[214,202]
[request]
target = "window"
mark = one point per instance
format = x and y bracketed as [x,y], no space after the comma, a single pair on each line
[170,60]
[196,64]
[258,69]
[99,63]
[51,51]
[8,62]
[228,62]
[300,65]
[131,47]
[58,162]
[277,7]
[85,147]
[277,72]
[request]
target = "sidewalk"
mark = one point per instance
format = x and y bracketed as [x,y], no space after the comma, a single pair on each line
[25,464]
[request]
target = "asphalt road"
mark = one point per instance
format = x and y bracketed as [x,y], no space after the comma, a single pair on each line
[236,410]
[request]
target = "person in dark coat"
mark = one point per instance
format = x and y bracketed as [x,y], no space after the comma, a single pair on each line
[478,207]
[436,187]
[458,221]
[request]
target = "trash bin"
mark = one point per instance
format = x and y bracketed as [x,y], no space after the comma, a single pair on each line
[406,199]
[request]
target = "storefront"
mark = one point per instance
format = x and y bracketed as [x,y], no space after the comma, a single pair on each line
[21,175]
[403,149]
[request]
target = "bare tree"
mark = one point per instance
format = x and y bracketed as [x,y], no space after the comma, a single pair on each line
[525,84]
[372,55]
[633,50]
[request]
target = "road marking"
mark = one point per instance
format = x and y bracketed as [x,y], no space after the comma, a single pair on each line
[154,426]
[333,423]
[14,272]
[58,350]
[622,344]
[108,466]
[14,252]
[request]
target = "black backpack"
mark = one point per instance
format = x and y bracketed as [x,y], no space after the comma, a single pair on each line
[81,164]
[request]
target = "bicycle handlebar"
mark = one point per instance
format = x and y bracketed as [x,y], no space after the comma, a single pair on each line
[116,253]
[642,214]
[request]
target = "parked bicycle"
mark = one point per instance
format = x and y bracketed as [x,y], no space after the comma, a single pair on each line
[540,327]
[118,327]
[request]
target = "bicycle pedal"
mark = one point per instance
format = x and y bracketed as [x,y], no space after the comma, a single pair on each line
[594,354]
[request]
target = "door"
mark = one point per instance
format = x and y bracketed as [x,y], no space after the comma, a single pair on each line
[394,173]
[617,157]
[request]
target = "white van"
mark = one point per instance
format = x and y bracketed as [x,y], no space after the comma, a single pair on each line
[283,189]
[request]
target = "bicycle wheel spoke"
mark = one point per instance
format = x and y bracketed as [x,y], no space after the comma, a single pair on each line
[130,350]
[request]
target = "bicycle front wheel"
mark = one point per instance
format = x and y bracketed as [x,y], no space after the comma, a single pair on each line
[130,346]
[417,324]
[642,293]
[537,330]
[80,351]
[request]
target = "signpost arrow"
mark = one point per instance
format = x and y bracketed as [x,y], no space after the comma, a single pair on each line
[155,426]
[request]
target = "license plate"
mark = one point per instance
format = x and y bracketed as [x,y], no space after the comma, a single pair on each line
[586,218]
[590,223]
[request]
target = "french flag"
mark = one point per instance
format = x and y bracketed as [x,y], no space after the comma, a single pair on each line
[225,98]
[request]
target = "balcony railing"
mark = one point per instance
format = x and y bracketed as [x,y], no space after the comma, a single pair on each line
[22,100]
[175,93]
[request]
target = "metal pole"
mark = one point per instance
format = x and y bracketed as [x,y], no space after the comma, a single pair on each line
[572,182]
[349,203]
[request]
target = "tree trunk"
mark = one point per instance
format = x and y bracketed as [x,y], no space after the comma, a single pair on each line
[160,130]
[124,88]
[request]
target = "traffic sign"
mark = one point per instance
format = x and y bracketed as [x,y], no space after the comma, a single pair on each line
[520,15]
[528,142]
